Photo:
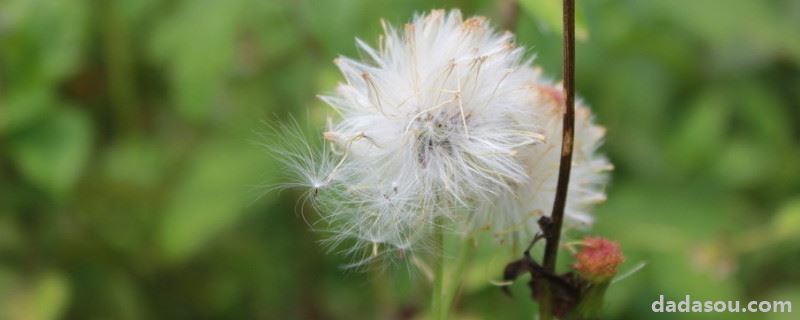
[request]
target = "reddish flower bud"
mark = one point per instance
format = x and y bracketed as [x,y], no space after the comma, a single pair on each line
[598,260]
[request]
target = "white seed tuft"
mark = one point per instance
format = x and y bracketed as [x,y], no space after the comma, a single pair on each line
[446,118]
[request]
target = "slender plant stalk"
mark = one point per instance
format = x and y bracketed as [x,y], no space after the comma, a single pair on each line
[451,287]
[509,14]
[438,310]
[382,293]
[567,137]
[557,216]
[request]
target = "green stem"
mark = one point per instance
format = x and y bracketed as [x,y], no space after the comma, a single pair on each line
[438,311]
[451,287]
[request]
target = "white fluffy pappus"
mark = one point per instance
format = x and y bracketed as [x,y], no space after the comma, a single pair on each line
[517,213]
[444,119]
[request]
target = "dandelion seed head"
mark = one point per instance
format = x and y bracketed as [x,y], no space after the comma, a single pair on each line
[444,118]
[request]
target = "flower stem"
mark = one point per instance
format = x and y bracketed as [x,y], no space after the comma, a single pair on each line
[557,216]
[454,283]
[509,14]
[438,310]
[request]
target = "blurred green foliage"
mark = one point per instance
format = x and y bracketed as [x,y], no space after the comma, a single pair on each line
[130,170]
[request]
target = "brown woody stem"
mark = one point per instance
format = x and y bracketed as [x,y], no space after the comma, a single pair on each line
[509,14]
[553,230]
[557,216]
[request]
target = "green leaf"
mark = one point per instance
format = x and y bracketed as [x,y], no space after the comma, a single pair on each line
[40,44]
[788,291]
[138,162]
[547,14]
[11,236]
[52,154]
[44,298]
[44,39]
[745,32]
[212,195]
[675,275]
[51,296]
[765,114]
[23,107]
[786,223]
[655,216]
[197,46]
[700,134]
[743,163]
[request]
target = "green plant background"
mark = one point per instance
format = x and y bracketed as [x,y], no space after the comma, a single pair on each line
[130,165]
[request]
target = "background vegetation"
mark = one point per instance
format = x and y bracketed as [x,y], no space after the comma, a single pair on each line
[127,162]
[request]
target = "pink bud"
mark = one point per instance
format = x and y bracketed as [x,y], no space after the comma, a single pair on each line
[598,260]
